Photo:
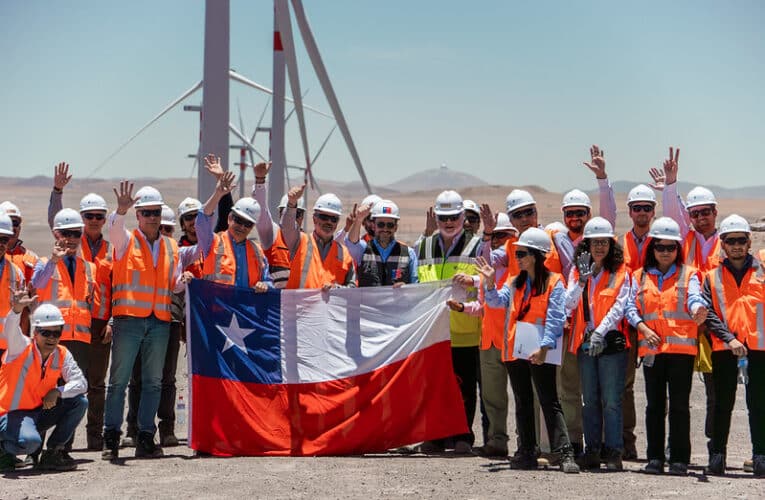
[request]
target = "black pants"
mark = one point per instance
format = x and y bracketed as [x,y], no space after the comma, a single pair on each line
[166,410]
[725,369]
[466,366]
[522,374]
[673,372]
[97,367]
[81,354]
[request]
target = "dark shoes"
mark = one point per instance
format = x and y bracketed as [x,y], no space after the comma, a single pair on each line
[492,449]
[168,440]
[523,461]
[654,467]
[430,448]
[678,469]
[567,463]
[758,466]
[56,460]
[111,449]
[145,446]
[716,465]
[590,460]
[614,461]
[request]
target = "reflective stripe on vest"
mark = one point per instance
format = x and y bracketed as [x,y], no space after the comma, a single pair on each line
[679,312]
[306,262]
[672,341]
[220,253]
[723,312]
[135,280]
[71,307]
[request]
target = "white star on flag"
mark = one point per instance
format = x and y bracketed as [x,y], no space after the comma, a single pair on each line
[234,334]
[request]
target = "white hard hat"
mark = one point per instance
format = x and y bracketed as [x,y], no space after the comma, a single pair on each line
[328,203]
[248,208]
[641,192]
[189,205]
[10,209]
[471,205]
[67,218]
[576,198]
[148,197]
[91,202]
[665,228]
[503,223]
[371,200]
[385,208]
[6,224]
[168,216]
[285,199]
[448,203]
[598,227]
[556,227]
[700,196]
[535,238]
[518,198]
[47,315]
[734,224]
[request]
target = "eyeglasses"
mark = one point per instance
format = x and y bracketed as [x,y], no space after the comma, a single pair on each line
[448,218]
[600,243]
[738,240]
[575,213]
[15,222]
[498,235]
[326,217]
[665,248]
[242,221]
[520,214]
[49,333]
[157,212]
[189,217]
[92,216]
[67,233]
[4,240]
[382,225]
[702,212]
[642,208]
[519,254]
[472,218]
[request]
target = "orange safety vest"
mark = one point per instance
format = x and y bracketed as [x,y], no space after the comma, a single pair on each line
[633,258]
[220,263]
[74,300]
[665,312]
[102,302]
[307,270]
[10,279]
[692,253]
[741,308]
[138,288]
[26,260]
[552,262]
[195,268]
[493,325]
[536,312]
[24,383]
[604,298]
[278,256]
[512,262]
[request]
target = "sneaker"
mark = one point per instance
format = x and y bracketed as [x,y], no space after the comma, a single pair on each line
[168,440]
[523,461]
[678,469]
[492,449]
[654,467]
[430,448]
[568,464]
[749,465]
[590,460]
[7,462]
[55,460]
[146,447]
[758,466]
[111,450]
[463,448]
[614,461]
[28,461]
[716,465]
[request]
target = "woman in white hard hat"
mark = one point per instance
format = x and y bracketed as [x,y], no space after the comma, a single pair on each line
[535,299]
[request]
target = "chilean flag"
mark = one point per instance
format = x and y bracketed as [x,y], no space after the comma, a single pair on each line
[306,372]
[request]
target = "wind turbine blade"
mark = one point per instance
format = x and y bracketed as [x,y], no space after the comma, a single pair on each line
[321,148]
[326,85]
[244,140]
[260,120]
[151,122]
[246,81]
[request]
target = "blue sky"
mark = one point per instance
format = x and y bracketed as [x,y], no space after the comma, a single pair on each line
[513,92]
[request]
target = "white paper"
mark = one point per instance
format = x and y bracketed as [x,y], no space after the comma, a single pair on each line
[528,337]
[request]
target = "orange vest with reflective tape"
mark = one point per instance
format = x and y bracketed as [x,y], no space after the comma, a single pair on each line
[512,262]
[665,312]
[634,258]
[536,312]
[278,255]
[74,300]
[741,308]
[307,270]
[138,288]
[692,253]
[26,260]
[493,326]
[604,297]
[196,266]
[11,279]
[24,383]
[102,302]
[220,263]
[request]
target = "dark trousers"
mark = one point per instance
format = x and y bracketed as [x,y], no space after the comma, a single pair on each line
[81,354]
[96,375]
[629,415]
[522,374]
[725,369]
[673,372]
[166,410]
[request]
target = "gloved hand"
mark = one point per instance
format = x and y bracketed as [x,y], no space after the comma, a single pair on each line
[584,266]
[597,343]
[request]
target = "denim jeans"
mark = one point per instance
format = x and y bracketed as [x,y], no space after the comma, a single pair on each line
[602,388]
[147,336]
[20,429]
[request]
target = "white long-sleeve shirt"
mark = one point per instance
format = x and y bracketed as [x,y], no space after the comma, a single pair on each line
[611,320]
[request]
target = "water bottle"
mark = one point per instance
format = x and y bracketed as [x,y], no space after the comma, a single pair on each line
[743,370]
[648,359]
[180,411]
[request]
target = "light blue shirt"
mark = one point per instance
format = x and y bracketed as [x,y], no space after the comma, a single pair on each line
[693,302]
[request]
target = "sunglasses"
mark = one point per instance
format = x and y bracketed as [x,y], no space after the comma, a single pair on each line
[16,222]
[500,235]
[54,334]
[189,217]
[151,213]
[67,233]
[520,214]
[642,208]
[599,243]
[4,240]
[448,218]
[665,248]
[702,212]
[167,229]
[575,213]
[242,221]
[92,216]
[519,254]
[326,217]
[739,240]
[472,218]
[383,225]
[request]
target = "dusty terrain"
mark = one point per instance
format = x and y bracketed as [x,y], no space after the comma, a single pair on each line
[179,475]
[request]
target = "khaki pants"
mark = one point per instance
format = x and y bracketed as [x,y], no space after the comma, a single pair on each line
[494,394]
[570,392]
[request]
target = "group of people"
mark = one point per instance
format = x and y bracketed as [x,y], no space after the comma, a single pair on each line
[666,293]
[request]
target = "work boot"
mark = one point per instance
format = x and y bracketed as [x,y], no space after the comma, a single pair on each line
[111,448]
[145,446]
[716,465]
[567,462]
[678,469]
[167,440]
[462,448]
[7,462]
[493,448]
[758,466]
[590,460]
[654,467]
[523,460]
[55,460]
[430,448]
[614,461]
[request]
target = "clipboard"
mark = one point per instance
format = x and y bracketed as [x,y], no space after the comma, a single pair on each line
[528,337]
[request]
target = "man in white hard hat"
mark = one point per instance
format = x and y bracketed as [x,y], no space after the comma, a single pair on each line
[367,222]
[472,216]
[318,260]
[167,224]
[24,258]
[11,277]
[31,399]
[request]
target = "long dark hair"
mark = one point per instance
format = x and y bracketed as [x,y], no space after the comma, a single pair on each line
[650,258]
[541,273]
[614,258]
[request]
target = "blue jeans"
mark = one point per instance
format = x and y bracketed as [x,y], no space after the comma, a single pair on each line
[602,380]
[131,336]
[20,429]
